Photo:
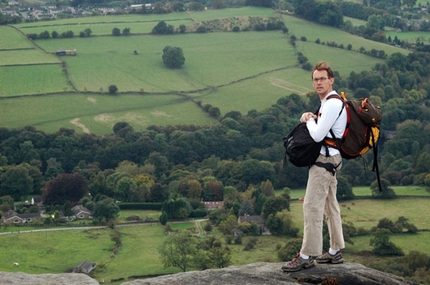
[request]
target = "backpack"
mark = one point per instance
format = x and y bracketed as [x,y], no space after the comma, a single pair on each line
[362,130]
[300,148]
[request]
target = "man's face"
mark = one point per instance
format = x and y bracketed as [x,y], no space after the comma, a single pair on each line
[322,84]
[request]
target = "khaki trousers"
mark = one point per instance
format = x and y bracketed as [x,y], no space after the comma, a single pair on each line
[320,200]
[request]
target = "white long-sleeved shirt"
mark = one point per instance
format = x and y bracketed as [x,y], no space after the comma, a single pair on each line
[328,118]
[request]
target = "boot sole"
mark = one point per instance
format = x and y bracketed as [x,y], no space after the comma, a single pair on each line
[332,261]
[298,269]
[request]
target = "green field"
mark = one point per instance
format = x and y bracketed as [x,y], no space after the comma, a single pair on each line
[97,113]
[12,39]
[410,37]
[60,251]
[232,71]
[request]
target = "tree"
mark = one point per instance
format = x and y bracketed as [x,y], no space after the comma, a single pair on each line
[382,246]
[124,188]
[409,3]
[16,182]
[178,6]
[163,218]
[281,223]
[182,28]
[385,192]
[116,32]
[158,193]
[176,209]
[178,250]
[64,187]
[112,89]
[344,189]
[105,210]
[196,6]
[290,249]
[219,256]
[246,208]
[162,29]
[173,57]
[274,204]
[218,4]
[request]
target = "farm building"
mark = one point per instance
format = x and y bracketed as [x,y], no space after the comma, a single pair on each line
[253,218]
[66,52]
[12,217]
[81,212]
[214,205]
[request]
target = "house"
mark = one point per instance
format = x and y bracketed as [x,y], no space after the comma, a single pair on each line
[253,218]
[65,52]
[236,232]
[81,212]
[12,217]
[212,205]
[36,201]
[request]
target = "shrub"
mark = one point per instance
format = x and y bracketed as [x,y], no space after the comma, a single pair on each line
[113,89]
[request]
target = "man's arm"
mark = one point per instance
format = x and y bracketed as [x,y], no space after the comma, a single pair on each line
[329,114]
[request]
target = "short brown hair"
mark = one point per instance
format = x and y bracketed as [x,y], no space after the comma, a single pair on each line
[322,65]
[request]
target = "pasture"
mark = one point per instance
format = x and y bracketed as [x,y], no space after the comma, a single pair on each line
[60,251]
[232,71]
[98,113]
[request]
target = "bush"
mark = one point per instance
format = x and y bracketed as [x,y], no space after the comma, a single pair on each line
[201,29]
[208,227]
[238,240]
[113,89]
[140,206]
[173,57]
[290,249]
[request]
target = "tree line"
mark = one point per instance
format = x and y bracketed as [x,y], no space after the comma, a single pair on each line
[239,151]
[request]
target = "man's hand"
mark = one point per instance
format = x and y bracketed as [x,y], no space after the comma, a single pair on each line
[306,116]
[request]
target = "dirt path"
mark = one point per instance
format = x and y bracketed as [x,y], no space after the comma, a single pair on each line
[199,226]
[76,122]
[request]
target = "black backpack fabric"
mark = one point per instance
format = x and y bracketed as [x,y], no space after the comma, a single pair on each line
[300,148]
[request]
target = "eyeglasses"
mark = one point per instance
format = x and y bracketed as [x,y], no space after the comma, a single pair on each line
[322,79]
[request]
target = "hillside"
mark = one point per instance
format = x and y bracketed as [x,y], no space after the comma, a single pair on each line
[232,71]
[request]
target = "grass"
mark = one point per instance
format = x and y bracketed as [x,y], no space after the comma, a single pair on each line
[99,113]
[11,39]
[208,15]
[154,215]
[401,240]
[238,71]
[105,28]
[366,191]
[313,31]
[53,252]
[30,56]
[260,92]
[354,21]
[137,256]
[101,20]
[33,79]
[375,210]
[227,55]
[411,37]
[59,251]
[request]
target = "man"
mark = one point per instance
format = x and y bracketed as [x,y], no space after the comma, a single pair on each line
[320,198]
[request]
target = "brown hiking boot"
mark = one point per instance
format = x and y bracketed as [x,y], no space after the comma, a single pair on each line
[328,258]
[298,264]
